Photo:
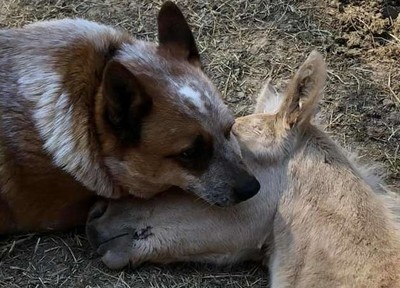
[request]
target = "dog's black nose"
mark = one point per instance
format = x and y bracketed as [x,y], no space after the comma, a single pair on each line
[247,188]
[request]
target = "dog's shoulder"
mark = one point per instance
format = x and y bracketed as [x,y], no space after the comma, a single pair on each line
[51,72]
[66,48]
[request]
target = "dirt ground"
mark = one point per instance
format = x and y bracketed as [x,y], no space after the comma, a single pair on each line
[242,42]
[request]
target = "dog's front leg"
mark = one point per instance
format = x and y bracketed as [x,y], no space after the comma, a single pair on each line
[176,227]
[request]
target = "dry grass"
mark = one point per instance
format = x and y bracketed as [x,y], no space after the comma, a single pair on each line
[242,43]
[65,260]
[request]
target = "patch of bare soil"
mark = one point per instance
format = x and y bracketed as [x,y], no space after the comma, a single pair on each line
[367,38]
[242,42]
[366,25]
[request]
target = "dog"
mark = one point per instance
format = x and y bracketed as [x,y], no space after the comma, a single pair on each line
[89,111]
[318,221]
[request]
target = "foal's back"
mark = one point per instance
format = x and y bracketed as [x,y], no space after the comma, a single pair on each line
[332,227]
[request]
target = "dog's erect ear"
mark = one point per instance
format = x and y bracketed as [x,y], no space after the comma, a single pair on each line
[304,91]
[269,100]
[174,34]
[126,102]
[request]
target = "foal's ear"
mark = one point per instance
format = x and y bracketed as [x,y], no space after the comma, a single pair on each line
[175,35]
[269,100]
[304,91]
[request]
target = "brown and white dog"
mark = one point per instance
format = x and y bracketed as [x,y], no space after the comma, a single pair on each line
[87,110]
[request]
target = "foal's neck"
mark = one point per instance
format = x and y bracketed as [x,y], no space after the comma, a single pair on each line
[323,166]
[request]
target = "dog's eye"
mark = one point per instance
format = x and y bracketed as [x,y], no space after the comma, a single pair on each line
[193,152]
[195,157]
[188,154]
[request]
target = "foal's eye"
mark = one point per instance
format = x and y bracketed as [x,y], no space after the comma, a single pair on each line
[228,130]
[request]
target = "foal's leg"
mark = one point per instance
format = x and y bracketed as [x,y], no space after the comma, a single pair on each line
[177,227]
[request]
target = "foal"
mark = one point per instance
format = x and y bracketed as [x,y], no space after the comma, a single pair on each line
[330,229]
[317,221]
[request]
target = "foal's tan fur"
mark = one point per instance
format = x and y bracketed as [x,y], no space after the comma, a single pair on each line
[330,229]
[324,223]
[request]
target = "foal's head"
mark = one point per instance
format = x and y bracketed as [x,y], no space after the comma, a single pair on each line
[280,121]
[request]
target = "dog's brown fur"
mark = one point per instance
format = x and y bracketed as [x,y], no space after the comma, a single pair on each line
[88,110]
[319,221]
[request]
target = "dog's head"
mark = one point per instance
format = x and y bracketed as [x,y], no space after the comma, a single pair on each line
[162,123]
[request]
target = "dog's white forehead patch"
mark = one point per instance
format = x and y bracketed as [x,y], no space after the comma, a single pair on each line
[194,96]
[192,88]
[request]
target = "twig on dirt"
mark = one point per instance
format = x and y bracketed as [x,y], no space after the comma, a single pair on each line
[41,281]
[333,121]
[358,83]
[114,277]
[390,87]
[65,281]
[70,250]
[227,83]
[15,242]
[36,246]
[394,37]
[121,279]
[337,77]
